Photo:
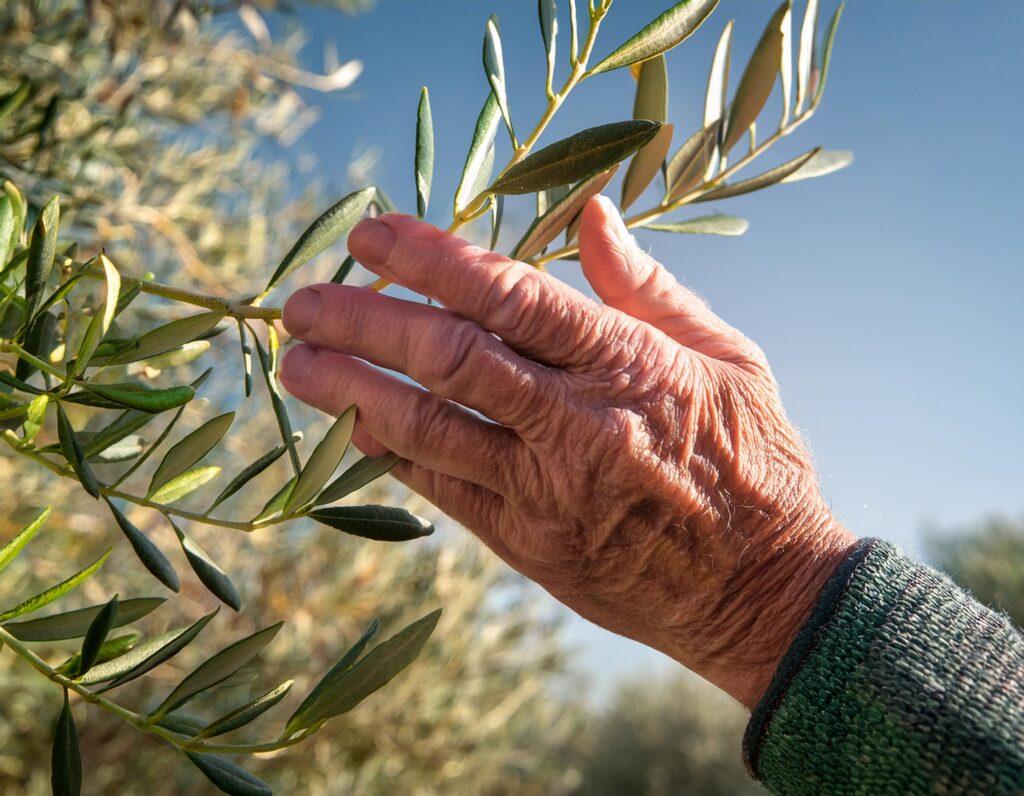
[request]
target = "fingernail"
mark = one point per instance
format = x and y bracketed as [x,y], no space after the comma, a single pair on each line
[300,311]
[371,242]
[296,363]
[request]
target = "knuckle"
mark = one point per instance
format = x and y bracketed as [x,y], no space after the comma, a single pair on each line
[425,428]
[452,353]
[512,302]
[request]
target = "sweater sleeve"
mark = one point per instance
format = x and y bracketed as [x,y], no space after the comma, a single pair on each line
[898,683]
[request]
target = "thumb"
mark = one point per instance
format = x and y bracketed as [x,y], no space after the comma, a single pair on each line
[627,278]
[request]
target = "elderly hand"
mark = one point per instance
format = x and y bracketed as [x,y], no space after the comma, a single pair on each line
[635,459]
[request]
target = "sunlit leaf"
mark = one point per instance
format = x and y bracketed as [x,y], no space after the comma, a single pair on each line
[100,323]
[149,554]
[659,36]
[112,648]
[327,230]
[176,357]
[184,484]
[217,668]
[190,450]
[7,229]
[718,78]
[825,162]
[211,575]
[769,177]
[688,166]
[272,507]
[65,759]
[826,58]
[546,228]
[577,157]
[424,153]
[786,63]
[96,635]
[651,102]
[35,416]
[148,655]
[11,550]
[351,686]
[231,779]
[645,166]
[167,337]
[716,224]
[74,624]
[246,713]
[128,448]
[383,523]
[480,158]
[46,597]
[73,452]
[356,477]
[323,461]
[494,68]
[248,474]
[41,251]
[757,81]
[805,57]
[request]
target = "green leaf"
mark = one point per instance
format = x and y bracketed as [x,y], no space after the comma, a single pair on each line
[786,63]
[549,198]
[132,395]
[149,554]
[577,157]
[272,507]
[246,713]
[651,102]
[54,592]
[268,369]
[718,78]
[494,68]
[190,450]
[178,356]
[72,451]
[124,426]
[757,81]
[323,461]
[100,323]
[825,162]
[826,59]
[659,36]
[17,384]
[167,337]
[480,158]
[645,166]
[248,474]
[148,655]
[181,724]
[716,224]
[39,341]
[184,484]
[383,523]
[327,685]
[805,56]
[770,177]
[96,635]
[217,668]
[373,672]
[211,576]
[228,777]
[17,201]
[65,760]
[41,251]
[10,551]
[128,448]
[356,477]
[688,166]
[339,277]
[424,153]
[7,229]
[547,12]
[35,416]
[546,228]
[327,230]
[497,214]
[112,648]
[74,624]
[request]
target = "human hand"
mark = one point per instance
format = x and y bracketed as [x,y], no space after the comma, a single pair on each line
[639,465]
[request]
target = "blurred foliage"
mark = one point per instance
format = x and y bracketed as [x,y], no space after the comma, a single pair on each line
[987,559]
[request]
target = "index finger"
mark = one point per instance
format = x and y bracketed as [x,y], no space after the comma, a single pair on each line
[535,315]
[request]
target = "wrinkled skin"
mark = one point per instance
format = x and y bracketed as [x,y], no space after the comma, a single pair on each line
[635,459]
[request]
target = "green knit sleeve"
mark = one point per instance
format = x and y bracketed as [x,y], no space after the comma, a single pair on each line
[899,683]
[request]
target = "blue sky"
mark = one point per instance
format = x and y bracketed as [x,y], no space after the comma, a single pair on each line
[888,297]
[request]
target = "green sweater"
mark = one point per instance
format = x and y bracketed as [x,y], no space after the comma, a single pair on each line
[898,683]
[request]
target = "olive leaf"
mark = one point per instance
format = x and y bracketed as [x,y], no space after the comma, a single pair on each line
[133,395]
[757,81]
[243,341]
[718,78]
[167,337]
[480,158]
[217,668]
[546,228]
[272,508]
[382,523]
[786,63]
[248,474]
[689,166]
[339,276]
[100,323]
[356,477]
[73,452]
[577,157]
[211,576]
[824,162]
[184,484]
[190,450]
[35,416]
[651,102]
[112,648]
[645,166]
[46,597]
[267,363]
[246,713]
[74,624]
[10,551]
[659,36]
[327,230]
[323,461]
[65,759]
[769,177]
[96,635]
[41,252]
[125,425]
[716,224]
[189,352]
[547,13]
[826,59]
[40,339]
[497,215]
[149,554]
[7,229]
[494,68]
[424,153]
[805,56]
[341,691]
[230,778]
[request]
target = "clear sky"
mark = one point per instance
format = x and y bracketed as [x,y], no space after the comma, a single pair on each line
[888,297]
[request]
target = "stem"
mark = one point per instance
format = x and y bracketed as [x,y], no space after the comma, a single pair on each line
[137,720]
[40,364]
